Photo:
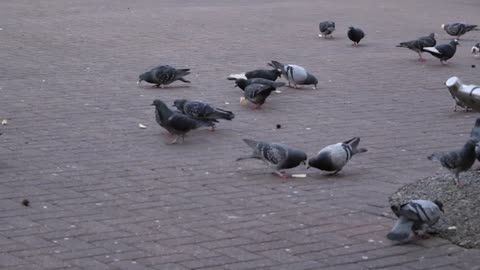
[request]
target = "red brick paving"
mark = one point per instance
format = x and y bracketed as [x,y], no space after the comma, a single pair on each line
[107,195]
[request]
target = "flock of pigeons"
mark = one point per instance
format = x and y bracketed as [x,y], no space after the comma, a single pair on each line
[186,115]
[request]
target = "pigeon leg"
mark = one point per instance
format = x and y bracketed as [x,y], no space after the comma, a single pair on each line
[174,140]
[420,58]
[314,87]
[184,80]
[168,134]
[281,174]
[212,128]
[443,62]
[257,107]
[457,180]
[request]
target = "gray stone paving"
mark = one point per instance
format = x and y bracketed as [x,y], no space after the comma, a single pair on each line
[106,194]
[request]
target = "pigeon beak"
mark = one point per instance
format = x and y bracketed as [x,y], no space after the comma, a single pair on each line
[152,104]
[235,86]
[138,82]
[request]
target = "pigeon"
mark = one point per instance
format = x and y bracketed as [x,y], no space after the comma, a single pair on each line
[269,74]
[202,111]
[476,49]
[334,157]
[257,93]
[326,28]
[418,44]
[242,83]
[443,51]
[277,156]
[296,75]
[176,123]
[414,216]
[475,134]
[458,29]
[164,75]
[457,161]
[355,35]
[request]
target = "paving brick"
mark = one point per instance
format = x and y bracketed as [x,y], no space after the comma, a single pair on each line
[72,145]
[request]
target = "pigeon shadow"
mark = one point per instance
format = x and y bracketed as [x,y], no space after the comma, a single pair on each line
[153,87]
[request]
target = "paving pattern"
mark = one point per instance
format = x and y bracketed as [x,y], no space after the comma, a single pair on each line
[105,194]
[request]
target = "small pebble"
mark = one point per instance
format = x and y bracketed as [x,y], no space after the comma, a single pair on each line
[26,203]
[279,126]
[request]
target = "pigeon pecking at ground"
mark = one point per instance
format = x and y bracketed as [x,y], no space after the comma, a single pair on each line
[355,35]
[176,123]
[202,111]
[418,44]
[414,216]
[164,75]
[295,75]
[458,29]
[277,156]
[326,29]
[443,51]
[257,93]
[457,161]
[475,49]
[269,74]
[334,157]
[242,83]
[475,134]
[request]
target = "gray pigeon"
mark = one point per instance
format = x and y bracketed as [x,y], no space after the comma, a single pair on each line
[418,44]
[414,216]
[458,29]
[202,111]
[164,75]
[443,51]
[355,35]
[333,157]
[475,134]
[457,161]
[257,93]
[269,74]
[296,75]
[176,123]
[475,49]
[242,83]
[277,156]
[326,28]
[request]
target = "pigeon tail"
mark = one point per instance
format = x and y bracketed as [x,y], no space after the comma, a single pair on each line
[276,64]
[354,144]
[222,114]
[470,27]
[251,143]
[401,230]
[233,77]
[181,73]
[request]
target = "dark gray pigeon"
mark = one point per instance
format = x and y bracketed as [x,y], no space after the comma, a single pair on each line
[457,161]
[333,157]
[458,29]
[202,111]
[242,83]
[326,28]
[414,216]
[443,51]
[475,134]
[269,74]
[277,156]
[164,75]
[475,49]
[295,75]
[418,44]
[257,93]
[355,35]
[176,123]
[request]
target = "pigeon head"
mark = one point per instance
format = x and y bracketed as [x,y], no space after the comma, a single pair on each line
[295,158]
[455,42]
[439,204]
[241,83]
[158,103]
[180,103]
[351,28]
[433,35]
[311,80]
[444,26]
[142,77]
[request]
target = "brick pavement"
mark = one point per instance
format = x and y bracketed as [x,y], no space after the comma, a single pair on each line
[107,195]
